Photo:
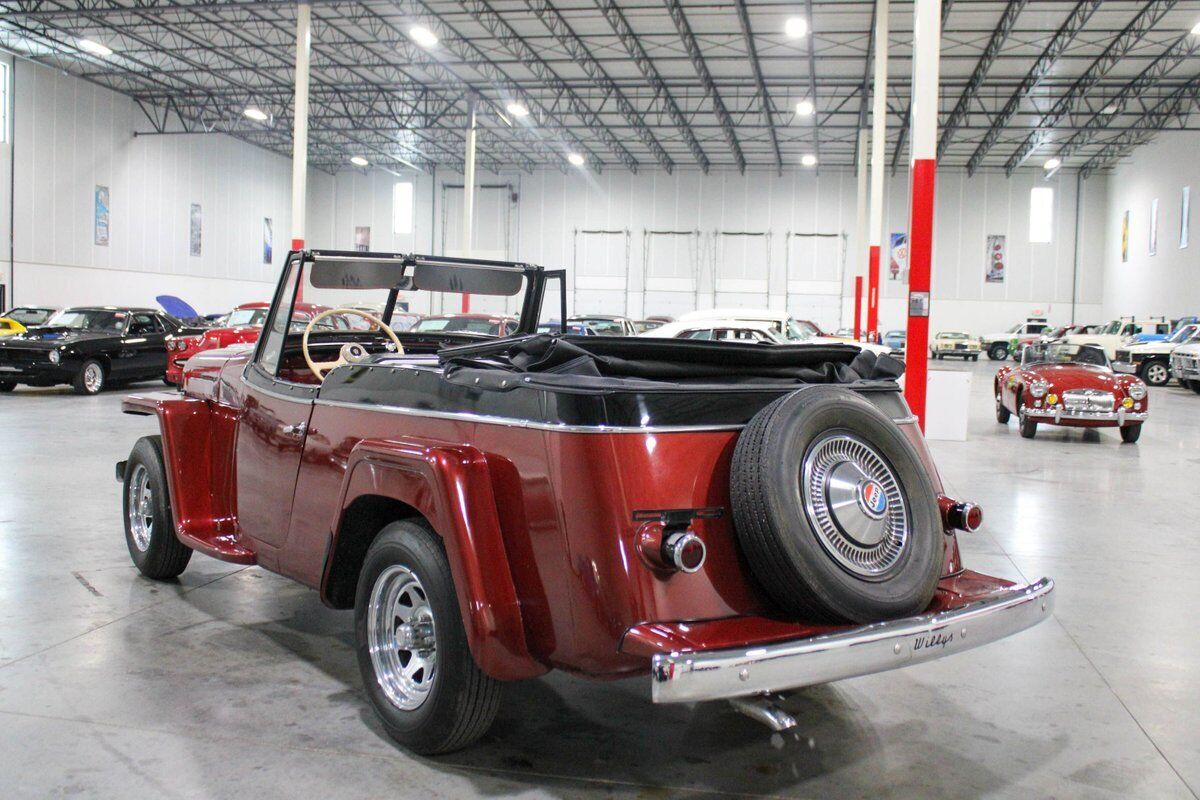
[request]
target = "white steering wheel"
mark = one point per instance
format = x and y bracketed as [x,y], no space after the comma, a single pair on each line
[351,352]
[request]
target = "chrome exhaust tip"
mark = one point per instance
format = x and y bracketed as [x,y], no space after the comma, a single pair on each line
[764,710]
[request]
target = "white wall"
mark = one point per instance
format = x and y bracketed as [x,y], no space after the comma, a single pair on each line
[1168,283]
[71,136]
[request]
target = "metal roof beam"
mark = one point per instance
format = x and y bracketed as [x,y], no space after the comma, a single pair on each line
[1008,20]
[684,29]
[1070,28]
[1177,106]
[1138,27]
[764,96]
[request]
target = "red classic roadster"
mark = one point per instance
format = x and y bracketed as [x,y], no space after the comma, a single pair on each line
[1073,386]
[732,520]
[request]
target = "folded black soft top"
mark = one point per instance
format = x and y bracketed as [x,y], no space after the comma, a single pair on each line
[624,359]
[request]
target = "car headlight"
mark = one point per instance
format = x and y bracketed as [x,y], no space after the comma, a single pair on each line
[1137,391]
[55,356]
[1039,388]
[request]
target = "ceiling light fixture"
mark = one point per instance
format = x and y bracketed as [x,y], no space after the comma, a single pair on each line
[1111,108]
[808,160]
[423,36]
[575,159]
[256,114]
[805,108]
[1052,163]
[796,27]
[1196,29]
[359,161]
[517,110]
[95,48]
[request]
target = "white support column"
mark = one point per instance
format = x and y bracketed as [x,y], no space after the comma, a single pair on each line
[927,39]
[469,195]
[300,125]
[878,156]
[862,256]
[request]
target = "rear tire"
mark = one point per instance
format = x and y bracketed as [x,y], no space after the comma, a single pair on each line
[149,525]
[868,556]
[1131,433]
[1196,387]
[6,387]
[406,612]
[1155,373]
[998,351]
[91,378]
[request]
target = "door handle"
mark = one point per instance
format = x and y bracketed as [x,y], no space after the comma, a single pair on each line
[296,430]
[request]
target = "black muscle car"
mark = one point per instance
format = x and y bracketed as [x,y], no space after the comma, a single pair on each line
[89,347]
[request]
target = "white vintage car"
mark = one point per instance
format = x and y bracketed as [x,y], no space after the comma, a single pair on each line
[957,344]
[1151,361]
[1000,346]
[780,323]
[1114,334]
[1185,365]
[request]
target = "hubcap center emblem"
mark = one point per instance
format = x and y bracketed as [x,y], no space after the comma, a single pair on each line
[872,499]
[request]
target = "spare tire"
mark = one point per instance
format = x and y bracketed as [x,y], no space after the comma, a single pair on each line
[834,509]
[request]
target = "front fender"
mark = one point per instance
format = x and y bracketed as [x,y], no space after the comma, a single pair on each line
[451,486]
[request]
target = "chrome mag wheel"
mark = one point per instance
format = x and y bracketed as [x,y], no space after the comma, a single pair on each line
[402,638]
[141,508]
[93,377]
[853,500]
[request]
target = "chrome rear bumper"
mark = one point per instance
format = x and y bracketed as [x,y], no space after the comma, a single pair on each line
[713,675]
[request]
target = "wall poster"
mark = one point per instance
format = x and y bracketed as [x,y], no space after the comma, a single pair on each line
[997,257]
[1185,213]
[362,238]
[1154,227]
[1125,237]
[267,240]
[100,232]
[898,260]
[194,230]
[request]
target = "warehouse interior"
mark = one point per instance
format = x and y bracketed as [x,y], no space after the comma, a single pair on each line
[674,158]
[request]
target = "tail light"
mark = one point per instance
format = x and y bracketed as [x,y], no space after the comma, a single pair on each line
[958,516]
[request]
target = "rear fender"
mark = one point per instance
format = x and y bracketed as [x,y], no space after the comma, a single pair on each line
[450,486]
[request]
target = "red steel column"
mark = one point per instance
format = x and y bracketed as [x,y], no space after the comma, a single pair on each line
[927,36]
[878,156]
[857,307]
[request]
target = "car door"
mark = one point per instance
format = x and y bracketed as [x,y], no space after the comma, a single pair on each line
[272,428]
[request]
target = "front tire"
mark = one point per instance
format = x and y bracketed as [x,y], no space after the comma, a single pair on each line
[1028,426]
[90,378]
[6,387]
[1131,433]
[1196,387]
[998,351]
[416,664]
[1155,373]
[149,525]
[1002,414]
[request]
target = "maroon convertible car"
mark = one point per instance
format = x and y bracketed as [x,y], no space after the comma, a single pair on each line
[730,520]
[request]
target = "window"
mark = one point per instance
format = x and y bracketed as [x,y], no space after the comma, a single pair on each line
[402,207]
[5,95]
[1041,214]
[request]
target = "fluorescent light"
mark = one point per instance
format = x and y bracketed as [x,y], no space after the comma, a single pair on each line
[1052,163]
[575,159]
[1111,108]
[796,27]
[1196,29]
[256,114]
[808,160]
[95,48]
[359,161]
[423,36]
[517,110]
[805,108]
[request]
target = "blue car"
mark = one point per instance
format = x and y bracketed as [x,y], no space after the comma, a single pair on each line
[895,340]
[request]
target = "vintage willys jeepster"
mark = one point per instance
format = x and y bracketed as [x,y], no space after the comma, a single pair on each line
[732,520]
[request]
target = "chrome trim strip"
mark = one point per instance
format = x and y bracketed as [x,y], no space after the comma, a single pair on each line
[512,422]
[690,677]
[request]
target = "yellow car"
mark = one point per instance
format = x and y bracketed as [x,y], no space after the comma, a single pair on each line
[10,327]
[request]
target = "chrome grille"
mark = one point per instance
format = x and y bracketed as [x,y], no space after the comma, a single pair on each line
[1089,400]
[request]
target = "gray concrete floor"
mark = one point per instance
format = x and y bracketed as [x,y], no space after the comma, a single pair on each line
[235,682]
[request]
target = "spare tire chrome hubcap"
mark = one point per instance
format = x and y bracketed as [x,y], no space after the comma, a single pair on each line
[402,638]
[854,503]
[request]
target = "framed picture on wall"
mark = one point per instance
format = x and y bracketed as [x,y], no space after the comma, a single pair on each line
[997,257]
[362,238]
[268,240]
[1185,213]
[1154,227]
[898,258]
[1125,237]
[100,232]
[194,230]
